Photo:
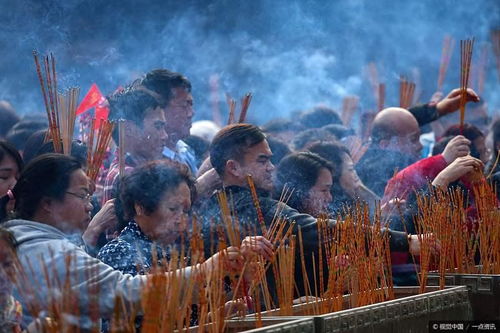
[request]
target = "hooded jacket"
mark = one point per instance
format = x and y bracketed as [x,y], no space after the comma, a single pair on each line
[42,247]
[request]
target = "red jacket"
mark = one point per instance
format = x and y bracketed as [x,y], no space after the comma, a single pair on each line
[414,177]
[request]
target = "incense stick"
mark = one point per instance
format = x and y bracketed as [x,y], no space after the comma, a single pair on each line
[245,103]
[448,43]
[466,47]
[406,92]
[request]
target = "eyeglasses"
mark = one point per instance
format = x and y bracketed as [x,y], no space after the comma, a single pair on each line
[86,197]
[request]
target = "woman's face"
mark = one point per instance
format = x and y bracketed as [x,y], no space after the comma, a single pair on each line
[484,152]
[349,180]
[170,219]
[9,173]
[319,196]
[72,214]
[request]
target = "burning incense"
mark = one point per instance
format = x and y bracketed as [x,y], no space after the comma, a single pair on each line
[373,78]
[406,92]
[448,42]
[231,103]
[466,47]
[381,96]
[49,94]
[349,106]
[245,103]
[97,146]
[67,104]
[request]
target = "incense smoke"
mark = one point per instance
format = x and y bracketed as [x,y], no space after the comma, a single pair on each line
[290,54]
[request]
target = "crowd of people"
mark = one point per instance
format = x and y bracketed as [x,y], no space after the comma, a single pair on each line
[124,225]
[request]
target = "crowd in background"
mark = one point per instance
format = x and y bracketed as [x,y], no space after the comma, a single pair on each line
[125,224]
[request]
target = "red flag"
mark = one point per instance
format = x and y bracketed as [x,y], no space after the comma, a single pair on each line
[91,100]
[101,113]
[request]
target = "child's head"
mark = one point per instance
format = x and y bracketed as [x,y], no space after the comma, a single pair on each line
[8,261]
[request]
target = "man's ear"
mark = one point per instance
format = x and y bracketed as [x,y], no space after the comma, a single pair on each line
[233,168]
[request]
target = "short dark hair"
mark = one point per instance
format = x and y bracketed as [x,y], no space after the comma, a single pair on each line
[45,176]
[8,118]
[6,149]
[299,171]
[279,148]
[20,132]
[130,105]
[332,152]
[231,143]
[339,131]
[310,136]
[162,81]
[280,125]
[36,146]
[319,116]
[469,131]
[146,185]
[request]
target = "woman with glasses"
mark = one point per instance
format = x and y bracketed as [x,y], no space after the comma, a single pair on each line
[51,203]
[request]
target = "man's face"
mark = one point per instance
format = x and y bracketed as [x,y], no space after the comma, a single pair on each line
[257,163]
[410,143]
[152,137]
[179,114]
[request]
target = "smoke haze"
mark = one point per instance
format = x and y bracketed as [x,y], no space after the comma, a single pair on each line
[291,54]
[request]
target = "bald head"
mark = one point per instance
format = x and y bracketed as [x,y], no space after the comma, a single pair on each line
[397,129]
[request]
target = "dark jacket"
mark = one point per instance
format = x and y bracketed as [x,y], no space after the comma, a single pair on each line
[240,198]
[424,113]
[377,166]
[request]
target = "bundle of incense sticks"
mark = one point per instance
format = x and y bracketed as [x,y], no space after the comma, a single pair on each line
[373,78]
[167,296]
[285,285]
[381,97]
[495,40]
[444,215]
[356,148]
[245,103]
[349,106]
[366,121]
[60,310]
[448,42]
[231,103]
[466,47]
[67,104]
[488,227]
[97,147]
[357,255]
[406,92]
[48,85]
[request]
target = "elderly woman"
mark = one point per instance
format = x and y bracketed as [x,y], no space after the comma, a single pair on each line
[52,201]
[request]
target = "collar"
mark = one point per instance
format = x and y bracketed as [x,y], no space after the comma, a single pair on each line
[134,231]
[241,189]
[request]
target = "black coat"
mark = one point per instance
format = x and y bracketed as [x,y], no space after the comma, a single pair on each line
[240,198]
